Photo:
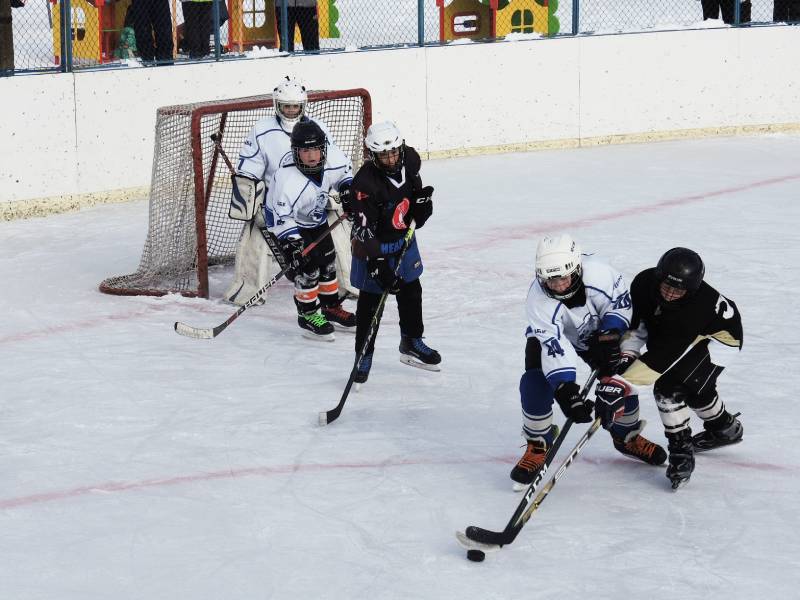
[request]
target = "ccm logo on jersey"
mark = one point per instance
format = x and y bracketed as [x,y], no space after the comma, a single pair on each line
[400,211]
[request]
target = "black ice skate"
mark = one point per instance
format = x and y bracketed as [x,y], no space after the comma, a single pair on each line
[362,373]
[340,318]
[315,326]
[728,431]
[681,458]
[415,353]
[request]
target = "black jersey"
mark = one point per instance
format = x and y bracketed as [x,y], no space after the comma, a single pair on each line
[380,204]
[706,314]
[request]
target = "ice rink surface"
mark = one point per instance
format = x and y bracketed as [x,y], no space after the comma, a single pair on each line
[138,464]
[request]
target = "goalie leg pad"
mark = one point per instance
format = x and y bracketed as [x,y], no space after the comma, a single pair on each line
[255,265]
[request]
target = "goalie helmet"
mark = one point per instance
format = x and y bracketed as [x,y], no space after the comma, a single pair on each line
[289,92]
[381,139]
[559,258]
[306,134]
[681,269]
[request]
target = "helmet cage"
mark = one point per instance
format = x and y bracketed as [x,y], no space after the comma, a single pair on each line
[559,257]
[289,92]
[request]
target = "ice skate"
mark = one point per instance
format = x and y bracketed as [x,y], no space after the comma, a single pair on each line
[362,372]
[340,318]
[729,432]
[681,458]
[640,448]
[525,471]
[415,353]
[315,326]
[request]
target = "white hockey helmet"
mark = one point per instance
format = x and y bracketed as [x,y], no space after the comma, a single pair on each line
[289,91]
[381,139]
[558,257]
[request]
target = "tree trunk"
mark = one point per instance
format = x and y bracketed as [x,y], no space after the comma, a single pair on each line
[6,39]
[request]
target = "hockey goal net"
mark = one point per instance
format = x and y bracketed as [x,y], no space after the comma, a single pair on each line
[188,227]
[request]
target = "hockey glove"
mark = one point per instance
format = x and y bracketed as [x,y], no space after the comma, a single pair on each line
[383,274]
[293,250]
[610,404]
[604,351]
[625,361]
[568,396]
[346,199]
[421,206]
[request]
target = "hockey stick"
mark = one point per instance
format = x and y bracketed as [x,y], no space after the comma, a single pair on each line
[484,539]
[328,417]
[202,333]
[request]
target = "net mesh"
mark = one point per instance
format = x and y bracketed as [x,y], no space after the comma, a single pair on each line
[188,223]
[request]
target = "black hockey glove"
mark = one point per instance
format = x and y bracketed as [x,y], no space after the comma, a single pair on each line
[625,361]
[610,403]
[346,200]
[421,206]
[293,250]
[568,396]
[604,351]
[383,274]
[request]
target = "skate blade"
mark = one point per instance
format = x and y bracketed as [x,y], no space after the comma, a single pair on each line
[706,448]
[676,485]
[469,544]
[343,328]
[413,362]
[328,337]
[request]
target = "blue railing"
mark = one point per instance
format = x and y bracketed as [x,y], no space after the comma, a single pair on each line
[66,35]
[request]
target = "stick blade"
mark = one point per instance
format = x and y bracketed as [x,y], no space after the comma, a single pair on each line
[197,333]
[485,536]
[323,419]
[469,544]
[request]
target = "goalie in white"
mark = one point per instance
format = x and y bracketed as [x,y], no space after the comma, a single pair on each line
[295,213]
[258,257]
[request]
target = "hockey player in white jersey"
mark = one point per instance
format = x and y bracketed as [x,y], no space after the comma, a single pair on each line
[578,307]
[295,213]
[267,143]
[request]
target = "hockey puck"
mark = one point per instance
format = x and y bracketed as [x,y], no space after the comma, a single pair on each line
[476,555]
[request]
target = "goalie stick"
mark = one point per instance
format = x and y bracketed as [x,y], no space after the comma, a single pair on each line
[328,417]
[487,540]
[203,333]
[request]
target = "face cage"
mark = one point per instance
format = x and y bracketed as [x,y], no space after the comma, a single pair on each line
[672,304]
[283,118]
[573,288]
[302,167]
[401,159]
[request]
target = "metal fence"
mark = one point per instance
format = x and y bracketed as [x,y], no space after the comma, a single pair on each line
[66,35]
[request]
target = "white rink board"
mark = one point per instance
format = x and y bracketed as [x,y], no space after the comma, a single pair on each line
[563,91]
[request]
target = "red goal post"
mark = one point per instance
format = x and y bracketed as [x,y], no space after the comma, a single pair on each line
[188,224]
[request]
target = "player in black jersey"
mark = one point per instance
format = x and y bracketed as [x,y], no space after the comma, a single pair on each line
[387,193]
[691,332]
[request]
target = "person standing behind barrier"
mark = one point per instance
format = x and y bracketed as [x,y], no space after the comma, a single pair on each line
[152,25]
[302,13]
[712,9]
[786,11]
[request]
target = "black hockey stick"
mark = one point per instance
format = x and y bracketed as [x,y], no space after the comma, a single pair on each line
[487,540]
[203,333]
[328,417]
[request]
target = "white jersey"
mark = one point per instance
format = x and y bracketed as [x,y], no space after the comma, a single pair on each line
[265,146]
[608,306]
[296,201]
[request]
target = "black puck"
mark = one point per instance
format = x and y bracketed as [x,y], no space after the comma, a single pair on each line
[476,555]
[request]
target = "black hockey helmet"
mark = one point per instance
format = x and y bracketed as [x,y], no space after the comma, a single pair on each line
[307,134]
[682,269]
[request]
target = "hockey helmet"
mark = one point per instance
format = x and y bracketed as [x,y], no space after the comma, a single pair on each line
[558,258]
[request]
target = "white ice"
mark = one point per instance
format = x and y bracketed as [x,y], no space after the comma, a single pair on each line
[138,464]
